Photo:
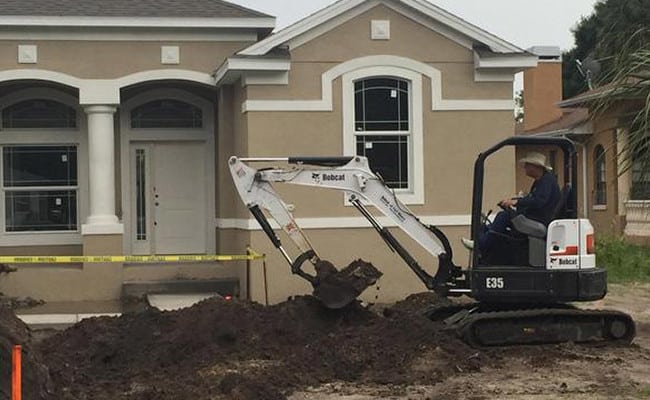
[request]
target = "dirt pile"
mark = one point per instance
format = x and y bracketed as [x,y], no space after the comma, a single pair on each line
[242,350]
[36,382]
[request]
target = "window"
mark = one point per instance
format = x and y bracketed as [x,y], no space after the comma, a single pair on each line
[39,149]
[382,127]
[39,113]
[166,113]
[600,176]
[40,188]
[640,171]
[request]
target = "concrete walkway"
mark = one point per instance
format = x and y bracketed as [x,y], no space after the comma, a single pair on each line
[63,314]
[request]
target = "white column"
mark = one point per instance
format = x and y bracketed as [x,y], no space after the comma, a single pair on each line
[101,172]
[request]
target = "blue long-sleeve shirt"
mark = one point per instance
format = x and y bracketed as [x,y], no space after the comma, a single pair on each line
[540,203]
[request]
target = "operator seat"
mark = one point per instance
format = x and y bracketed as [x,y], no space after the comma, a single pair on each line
[536,231]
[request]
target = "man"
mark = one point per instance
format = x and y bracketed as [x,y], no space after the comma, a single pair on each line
[538,205]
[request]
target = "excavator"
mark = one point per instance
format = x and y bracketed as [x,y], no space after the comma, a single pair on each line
[524,293]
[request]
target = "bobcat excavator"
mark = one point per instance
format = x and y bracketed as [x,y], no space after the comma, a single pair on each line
[522,294]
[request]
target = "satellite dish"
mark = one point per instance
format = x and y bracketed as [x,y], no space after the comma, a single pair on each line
[589,69]
[592,65]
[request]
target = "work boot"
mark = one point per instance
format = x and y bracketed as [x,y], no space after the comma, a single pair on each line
[468,243]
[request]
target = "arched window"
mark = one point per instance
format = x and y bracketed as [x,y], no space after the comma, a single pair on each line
[166,113]
[39,113]
[382,127]
[600,176]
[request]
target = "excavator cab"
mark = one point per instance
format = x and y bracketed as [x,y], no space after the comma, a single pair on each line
[542,263]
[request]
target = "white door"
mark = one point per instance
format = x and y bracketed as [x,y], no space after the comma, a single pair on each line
[169,198]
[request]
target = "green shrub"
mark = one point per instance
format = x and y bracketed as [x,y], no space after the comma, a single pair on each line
[625,262]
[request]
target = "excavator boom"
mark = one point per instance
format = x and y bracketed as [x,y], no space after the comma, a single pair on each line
[351,175]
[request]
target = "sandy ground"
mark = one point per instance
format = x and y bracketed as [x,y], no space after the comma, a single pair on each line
[583,372]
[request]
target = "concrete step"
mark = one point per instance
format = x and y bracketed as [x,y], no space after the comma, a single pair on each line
[223,287]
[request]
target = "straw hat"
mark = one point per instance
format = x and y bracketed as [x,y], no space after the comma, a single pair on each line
[536,158]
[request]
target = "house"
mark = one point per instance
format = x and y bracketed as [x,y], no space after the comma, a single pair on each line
[614,197]
[118,120]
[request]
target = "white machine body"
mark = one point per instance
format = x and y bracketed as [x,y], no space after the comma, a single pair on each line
[570,245]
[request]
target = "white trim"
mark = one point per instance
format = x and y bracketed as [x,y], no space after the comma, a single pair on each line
[314,20]
[165,74]
[127,34]
[494,76]
[106,91]
[205,135]
[476,105]
[327,79]
[415,194]
[40,74]
[342,222]
[599,207]
[516,61]
[139,22]
[60,319]
[265,78]
[102,229]
[231,69]
[339,8]
[434,25]
[328,25]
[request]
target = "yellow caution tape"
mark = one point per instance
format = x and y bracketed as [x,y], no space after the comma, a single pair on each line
[126,259]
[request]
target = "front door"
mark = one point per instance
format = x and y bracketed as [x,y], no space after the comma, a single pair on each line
[169,198]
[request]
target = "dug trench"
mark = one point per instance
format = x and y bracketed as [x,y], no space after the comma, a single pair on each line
[236,349]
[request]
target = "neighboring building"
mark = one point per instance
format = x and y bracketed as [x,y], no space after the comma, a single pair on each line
[616,202]
[118,119]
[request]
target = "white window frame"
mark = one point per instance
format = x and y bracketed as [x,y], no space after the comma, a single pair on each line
[600,160]
[47,137]
[415,193]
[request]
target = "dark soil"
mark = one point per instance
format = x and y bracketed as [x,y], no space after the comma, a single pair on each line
[35,380]
[222,349]
[242,350]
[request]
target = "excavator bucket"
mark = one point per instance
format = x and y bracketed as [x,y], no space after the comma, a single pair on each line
[336,289]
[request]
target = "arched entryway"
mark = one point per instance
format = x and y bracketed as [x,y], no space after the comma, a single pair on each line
[168,152]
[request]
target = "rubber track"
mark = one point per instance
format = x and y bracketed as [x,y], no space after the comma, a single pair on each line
[544,325]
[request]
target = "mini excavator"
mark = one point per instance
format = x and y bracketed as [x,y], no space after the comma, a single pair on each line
[522,294]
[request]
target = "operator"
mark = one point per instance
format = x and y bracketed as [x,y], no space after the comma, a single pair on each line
[537,205]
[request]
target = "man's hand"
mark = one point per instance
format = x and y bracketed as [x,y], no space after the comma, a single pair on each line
[507,203]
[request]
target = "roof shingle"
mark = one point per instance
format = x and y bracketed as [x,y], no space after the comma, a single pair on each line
[128,8]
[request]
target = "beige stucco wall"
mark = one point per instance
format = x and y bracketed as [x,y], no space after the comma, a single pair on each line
[114,59]
[103,60]
[451,142]
[408,39]
[67,282]
[334,245]
[452,139]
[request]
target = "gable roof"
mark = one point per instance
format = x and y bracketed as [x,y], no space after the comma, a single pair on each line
[477,35]
[128,8]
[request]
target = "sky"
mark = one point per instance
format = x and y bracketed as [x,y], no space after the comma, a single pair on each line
[525,23]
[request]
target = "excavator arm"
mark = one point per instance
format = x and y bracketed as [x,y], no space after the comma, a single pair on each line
[351,175]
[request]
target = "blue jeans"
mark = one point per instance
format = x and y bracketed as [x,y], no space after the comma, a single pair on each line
[499,225]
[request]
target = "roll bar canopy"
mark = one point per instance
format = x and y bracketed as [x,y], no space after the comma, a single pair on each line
[570,173]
